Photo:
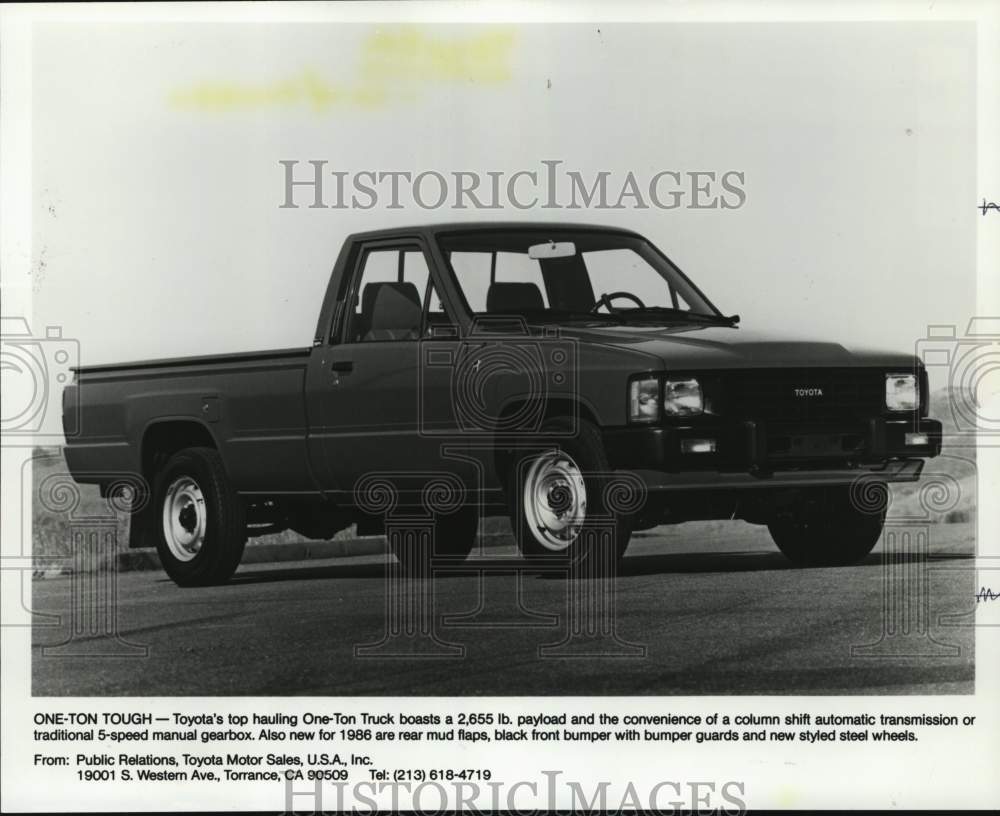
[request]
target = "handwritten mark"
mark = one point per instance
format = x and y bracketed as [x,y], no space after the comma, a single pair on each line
[987,594]
[988,205]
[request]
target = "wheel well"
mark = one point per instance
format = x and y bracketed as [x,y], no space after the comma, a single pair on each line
[554,408]
[163,439]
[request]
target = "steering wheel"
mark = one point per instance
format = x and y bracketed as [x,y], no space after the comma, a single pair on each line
[605,301]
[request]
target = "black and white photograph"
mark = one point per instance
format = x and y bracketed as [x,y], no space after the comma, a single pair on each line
[609,390]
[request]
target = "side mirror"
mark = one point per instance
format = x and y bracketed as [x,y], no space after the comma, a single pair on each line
[541,252]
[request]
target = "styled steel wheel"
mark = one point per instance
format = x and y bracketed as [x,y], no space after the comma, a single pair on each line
[202,528]
[184,518]
[555,500]
[556,485]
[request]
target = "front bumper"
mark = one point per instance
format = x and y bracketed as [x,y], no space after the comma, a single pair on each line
[752,452]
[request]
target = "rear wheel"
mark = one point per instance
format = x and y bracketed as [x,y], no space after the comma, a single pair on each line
[200,531]
[557,488]
[827,528]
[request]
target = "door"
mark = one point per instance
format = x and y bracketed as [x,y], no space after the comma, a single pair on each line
[362,383]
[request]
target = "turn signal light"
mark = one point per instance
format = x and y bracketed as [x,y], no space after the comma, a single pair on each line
[697,446]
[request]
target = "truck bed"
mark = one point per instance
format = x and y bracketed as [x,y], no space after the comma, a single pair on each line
[250,405]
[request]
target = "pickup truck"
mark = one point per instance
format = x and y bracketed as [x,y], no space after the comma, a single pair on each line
[520,368]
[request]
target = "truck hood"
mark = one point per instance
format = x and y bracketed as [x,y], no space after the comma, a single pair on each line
[717,347]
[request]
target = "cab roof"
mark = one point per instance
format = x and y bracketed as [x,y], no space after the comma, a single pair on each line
[430,230]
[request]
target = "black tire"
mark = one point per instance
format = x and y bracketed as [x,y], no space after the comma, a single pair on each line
[827,529]
[454,538]
[585,449]
[219,523]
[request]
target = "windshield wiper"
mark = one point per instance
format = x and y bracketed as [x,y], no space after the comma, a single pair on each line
[543,315]
[678,314]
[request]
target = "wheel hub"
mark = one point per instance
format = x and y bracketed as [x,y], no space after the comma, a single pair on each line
[184,518]
[555,500]
[560,498]
[188,517]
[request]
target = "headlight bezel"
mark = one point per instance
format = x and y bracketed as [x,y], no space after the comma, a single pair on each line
[906,400]
[643,386]
[675,387]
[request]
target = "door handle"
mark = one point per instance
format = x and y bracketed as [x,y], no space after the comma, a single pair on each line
[343,366]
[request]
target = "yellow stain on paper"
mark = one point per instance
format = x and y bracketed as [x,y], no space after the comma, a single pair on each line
[787,796]
[308,88]
[393,65]
[409,53]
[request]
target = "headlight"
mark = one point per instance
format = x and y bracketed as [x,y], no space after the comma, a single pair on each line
[901,392]
[682,398]
[644,400]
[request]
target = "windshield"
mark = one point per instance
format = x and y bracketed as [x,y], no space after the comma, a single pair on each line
[552,274]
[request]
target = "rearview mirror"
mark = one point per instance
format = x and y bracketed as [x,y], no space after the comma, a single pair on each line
[541,252]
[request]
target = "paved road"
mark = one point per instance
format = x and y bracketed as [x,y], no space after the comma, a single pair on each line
[714,607]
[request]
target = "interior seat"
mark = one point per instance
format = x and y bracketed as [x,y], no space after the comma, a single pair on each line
[514,297]
[395,311]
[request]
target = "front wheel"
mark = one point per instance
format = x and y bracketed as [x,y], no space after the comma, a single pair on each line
[556,489]
[827,528]
[201,529]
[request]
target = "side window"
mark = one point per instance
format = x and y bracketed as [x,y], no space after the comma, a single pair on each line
[415,270]
[435,308]
[388,295]
[473,272]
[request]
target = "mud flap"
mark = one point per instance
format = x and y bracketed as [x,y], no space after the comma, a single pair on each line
[141,529]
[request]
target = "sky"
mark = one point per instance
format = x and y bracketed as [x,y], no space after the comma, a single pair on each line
[156,219]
